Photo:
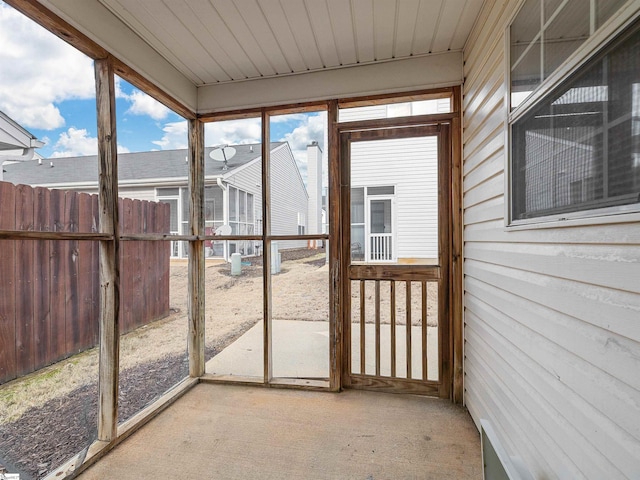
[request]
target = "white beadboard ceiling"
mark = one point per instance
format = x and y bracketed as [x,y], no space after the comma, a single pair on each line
[219,41]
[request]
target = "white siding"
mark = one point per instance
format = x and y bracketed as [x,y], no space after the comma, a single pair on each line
[249,179]
[137,193]
[552,316]
[288,196]
[411,166]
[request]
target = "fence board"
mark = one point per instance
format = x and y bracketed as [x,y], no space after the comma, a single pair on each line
[95,271]
[25,260]
[42,284]
[126,271]
[8,365]
[52,286]
[86,295]
[56,275]
[72,325]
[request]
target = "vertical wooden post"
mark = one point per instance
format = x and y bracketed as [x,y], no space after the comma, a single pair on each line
[363,329]
[336,274]
[445,327]
[109,252]
[425,355]
[408,325]
[456,250]
[196,249]
[377,325]
[266,247]
[392,298]
[343,232]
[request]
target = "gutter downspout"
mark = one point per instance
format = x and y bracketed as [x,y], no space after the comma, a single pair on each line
[225,213]
[27,154]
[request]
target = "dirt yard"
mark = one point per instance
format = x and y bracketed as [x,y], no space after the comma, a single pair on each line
[47,416]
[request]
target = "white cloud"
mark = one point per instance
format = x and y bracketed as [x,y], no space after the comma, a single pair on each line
[38,71]
[233,132]
[175,136]
[143,104]
[313,128]
[77,142]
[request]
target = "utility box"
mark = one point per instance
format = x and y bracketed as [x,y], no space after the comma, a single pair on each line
[275,259]
[236,264]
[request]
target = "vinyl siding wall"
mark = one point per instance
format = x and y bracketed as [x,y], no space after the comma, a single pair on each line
[411,166]
[249,179]
[552,315]
[288,197]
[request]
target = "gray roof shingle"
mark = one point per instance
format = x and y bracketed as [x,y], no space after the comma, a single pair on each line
[159,164]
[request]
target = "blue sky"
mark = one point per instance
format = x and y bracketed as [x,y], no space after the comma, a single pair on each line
[47,86]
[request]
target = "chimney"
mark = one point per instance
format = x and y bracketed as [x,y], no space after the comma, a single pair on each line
[314,188]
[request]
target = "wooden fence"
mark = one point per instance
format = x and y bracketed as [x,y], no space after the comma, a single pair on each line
[49,289]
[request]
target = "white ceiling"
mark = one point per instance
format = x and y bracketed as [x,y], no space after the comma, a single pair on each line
[216,41]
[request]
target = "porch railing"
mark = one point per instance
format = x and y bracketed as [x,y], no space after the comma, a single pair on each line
[381,247]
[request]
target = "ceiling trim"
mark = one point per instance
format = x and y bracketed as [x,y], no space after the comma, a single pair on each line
[397,76]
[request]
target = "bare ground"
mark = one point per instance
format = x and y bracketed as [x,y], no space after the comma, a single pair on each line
[48,416]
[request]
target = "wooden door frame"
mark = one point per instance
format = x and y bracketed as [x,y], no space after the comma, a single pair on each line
[339,172]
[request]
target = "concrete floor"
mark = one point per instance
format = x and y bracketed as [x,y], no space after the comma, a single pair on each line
[239,432]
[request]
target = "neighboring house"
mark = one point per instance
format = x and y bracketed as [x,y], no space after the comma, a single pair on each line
[16,143]
[394,190]
[232,190]
[394,200]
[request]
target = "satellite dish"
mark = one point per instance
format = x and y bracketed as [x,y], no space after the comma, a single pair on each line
[223,230]
[222,153]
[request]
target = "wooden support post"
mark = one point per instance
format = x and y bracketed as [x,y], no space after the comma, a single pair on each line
[392,298]
[408,324]
[266,249]
[456,250]
[335,249]
[342,230]
[196,249]
[424,330]
[363,318]
[377,325]
[109,252]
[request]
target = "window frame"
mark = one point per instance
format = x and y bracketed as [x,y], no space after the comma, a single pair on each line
[594,45]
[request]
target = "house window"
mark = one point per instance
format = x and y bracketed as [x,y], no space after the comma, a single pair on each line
[578,148]
[357,224]
[545,33]
[301,223]
[396,107]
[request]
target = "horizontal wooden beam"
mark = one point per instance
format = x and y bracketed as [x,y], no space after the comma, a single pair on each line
[385,99]
[162,237]
[276,238]
[33,235]
[395,385]
[395,272]
[276,382]
[151,89]
[366,126]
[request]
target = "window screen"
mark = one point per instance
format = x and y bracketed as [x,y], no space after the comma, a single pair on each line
[579,148]
[381,190]
[545,33]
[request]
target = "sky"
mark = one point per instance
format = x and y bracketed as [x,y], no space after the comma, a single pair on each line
[48,87]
